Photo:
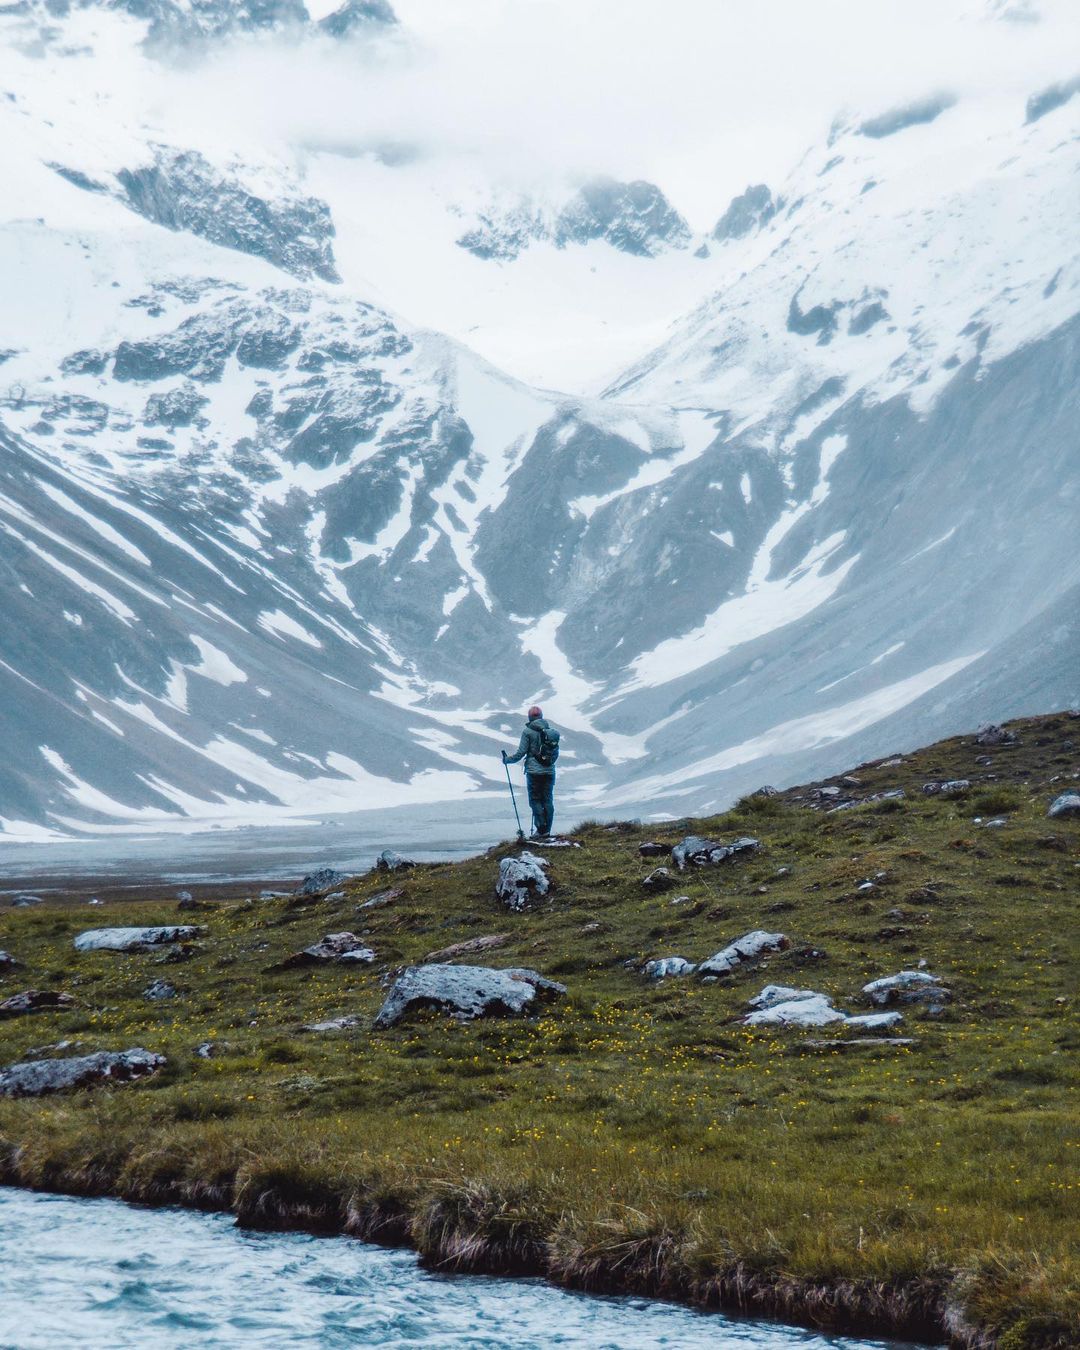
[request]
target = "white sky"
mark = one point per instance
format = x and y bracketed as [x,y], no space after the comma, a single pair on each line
[701,96]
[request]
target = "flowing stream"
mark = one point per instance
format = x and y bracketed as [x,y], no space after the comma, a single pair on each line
[102,1275]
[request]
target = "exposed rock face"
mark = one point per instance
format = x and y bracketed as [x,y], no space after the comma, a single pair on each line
[38,1077]
[466,992]
[134,939]
[469,947]
[183,191]
[747,213]
[334,947]
[35,1000]
[1065,807]
[389,861]
[911,115]
[705,852]
[632,217]
[522,880]
[750,947]
[318,883]
[663,967]
[907,986]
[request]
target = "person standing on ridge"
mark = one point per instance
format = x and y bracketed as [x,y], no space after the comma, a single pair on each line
[539,748]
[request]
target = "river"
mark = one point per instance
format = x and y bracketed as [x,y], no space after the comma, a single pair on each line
[102,1275]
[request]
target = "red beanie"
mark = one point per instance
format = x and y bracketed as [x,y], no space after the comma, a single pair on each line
[535,712]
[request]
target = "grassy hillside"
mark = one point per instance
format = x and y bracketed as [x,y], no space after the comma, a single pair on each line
[635,1135]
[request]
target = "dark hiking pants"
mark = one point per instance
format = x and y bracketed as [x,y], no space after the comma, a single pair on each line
[541,800]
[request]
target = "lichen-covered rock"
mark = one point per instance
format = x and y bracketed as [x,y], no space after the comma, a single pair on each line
[389,861]
[332,947]
[748,948]
[1065,807]
[319,882]
[522,880]
[158,990]
[466,992]
[814,1010]
[35,1000]
[134,939]
[663,967]
[35,1078]
[660,879]
[699,852]
[380,899]
[906,986]
[873,1021]
[773,994]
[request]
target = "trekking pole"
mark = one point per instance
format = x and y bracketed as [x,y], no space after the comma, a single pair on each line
[510,785]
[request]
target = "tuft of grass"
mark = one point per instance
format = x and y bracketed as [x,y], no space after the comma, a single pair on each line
[636,1136]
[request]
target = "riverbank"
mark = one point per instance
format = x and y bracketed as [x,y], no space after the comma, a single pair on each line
[636,1136]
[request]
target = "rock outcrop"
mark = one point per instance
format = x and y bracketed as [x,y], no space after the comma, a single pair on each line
[522,880]
[488,942]
[320,882]
[697,852]
[35,1078]
[1065,807]
[135,939]
[907,986]
[334,947]
[743,951]
[389,861]
[466,992]
[35,1000]
[663,967]
[778,1005]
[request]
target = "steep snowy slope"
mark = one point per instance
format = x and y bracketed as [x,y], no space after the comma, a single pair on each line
[269,550]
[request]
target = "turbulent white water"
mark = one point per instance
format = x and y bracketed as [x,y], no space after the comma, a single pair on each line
[102,1275]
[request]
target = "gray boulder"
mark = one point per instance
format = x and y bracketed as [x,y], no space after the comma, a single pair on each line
[859,1043]
[334,1024]
[7,961]
[35,1078]
[134,939]
[808,1010]
[485,943]
[522,880]
[873,1021]
[748,948]
[651,850]
[466,992]
[663,967]
[953,787]
[25,901]
[35,1000]
[699,852]
[994,735]
[334,947]
[773,994]
[1065,807]
[321,881]
[906,986]
[381,898]
[658,880]
[159,989]
[389,861]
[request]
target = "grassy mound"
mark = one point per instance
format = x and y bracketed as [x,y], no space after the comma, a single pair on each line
[636,1136]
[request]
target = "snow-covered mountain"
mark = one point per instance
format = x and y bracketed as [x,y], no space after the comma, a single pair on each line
[284,532]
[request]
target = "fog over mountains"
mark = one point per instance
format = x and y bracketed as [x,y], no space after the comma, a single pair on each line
[320,463]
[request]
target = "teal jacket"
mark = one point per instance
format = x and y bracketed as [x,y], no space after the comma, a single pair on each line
[529,745]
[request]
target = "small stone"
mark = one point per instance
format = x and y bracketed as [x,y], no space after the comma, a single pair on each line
[184,896]
[984,760]
[698,852]
[651,850]
[858,1043]
[334,1024]
[25,901]
[159,989]
[477,944]
[7,961]
[680,900]
[659,880]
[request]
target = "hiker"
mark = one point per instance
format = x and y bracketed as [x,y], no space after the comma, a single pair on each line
[539,748]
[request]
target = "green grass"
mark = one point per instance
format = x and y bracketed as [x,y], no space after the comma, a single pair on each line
[635,1136]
